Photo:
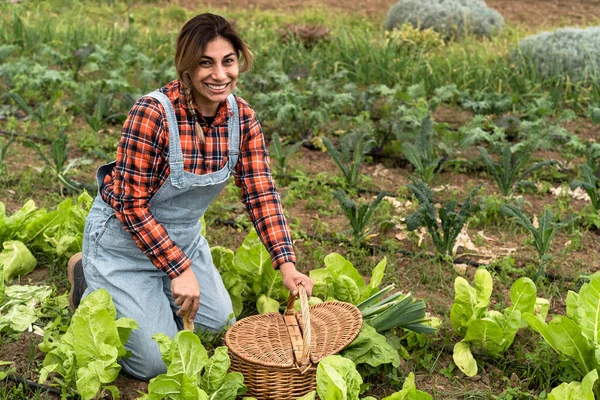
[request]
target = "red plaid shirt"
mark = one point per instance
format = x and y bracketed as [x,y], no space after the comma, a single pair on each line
[142,167]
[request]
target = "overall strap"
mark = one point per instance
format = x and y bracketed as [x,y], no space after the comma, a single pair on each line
[233,125]
[175,153]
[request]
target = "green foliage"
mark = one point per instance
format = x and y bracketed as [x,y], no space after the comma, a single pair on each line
[249,275]
[3,150]
[420,154]
[337,379]
[54,234]
[589,184]
[452,221]
[576,335]
[281,153]
[490,331]
[576,390]
[359,215]
[350,157]
[86,356]
[191,374]
[42,114]
[450,18]
[542,235]
[21,306]
[371,348]
[511,171]
[16,260]
[57,160]
[571,52]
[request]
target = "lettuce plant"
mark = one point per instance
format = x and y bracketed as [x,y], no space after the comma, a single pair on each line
[452,221]
[21,306]
[86,356]
[488,331]
[340,280]
[576,390]
[191,374]
[249,275]
[450,18]
[16,260]
[575,336]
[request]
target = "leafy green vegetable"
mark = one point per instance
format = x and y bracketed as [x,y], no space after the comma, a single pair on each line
[511,172]
[249,275]
[86,356]
[337,379]
[576,390]
[409,391]
[371,348]
[191,375]
[350,157]
[358,215]
[486,330]
[21,306]
[589,184]
[452,222]
[542,235]
[576,335]
[16,260]
[421,156]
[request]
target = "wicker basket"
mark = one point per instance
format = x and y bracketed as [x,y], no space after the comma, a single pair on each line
[278,354]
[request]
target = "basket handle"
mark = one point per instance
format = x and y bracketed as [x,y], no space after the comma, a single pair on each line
[289,311]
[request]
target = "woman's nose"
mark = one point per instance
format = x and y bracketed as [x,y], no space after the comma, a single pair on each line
[219,72]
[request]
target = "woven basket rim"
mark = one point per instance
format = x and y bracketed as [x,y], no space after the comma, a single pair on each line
[344,311]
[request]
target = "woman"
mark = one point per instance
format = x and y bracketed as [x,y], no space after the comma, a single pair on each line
[178,146]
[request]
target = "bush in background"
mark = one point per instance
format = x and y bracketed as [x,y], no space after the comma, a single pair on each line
[572,52]
[450,18]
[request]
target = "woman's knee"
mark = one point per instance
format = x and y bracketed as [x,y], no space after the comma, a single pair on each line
[144,364]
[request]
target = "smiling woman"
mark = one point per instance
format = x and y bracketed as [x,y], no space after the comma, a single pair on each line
[178,147]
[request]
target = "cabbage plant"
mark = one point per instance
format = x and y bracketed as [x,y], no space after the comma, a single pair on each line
[450,18]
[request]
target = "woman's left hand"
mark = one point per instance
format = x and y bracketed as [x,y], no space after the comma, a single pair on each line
[291,278]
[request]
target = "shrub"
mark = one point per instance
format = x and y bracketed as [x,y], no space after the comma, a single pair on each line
[450,18]
[572,52]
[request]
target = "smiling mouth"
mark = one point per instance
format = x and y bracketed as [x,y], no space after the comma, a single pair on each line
[216,87]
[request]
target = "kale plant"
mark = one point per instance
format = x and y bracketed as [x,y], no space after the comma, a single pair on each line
[443,234]
[450,18]
[542,234]
[511,172]
[359,215]
[589,183]
[353,149]
[281,153]
[572,52]
[421,156]
[3,150]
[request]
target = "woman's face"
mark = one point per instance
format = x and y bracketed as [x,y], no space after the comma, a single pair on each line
[215,78]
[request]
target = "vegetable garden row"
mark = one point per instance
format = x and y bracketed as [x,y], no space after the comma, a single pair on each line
[442,183]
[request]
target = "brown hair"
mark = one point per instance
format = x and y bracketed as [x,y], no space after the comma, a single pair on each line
[191,43]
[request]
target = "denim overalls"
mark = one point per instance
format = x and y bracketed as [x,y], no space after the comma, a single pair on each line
[112,260]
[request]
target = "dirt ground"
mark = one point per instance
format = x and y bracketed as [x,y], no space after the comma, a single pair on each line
[522,12]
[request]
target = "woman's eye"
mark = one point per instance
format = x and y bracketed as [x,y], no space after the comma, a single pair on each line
[229,61]
[205,63]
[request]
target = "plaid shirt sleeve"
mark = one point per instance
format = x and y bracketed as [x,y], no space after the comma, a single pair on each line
[259,194]
[140,164]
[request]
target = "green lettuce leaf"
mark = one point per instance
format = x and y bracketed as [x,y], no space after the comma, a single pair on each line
[371,348]
[463,358]
[576,390]
[337,379]
[409,391]
[16,259]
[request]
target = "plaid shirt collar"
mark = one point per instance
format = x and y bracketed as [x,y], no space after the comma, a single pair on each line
[223,112]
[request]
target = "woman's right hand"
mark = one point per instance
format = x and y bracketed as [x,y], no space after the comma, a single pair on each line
[186,292]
